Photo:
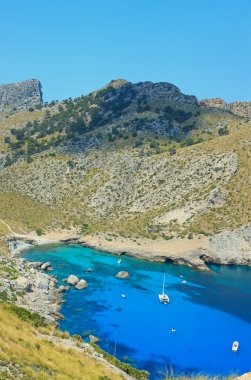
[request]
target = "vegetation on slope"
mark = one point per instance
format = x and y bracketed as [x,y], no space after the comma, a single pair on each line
[23,355]
[121,110]
[177,172]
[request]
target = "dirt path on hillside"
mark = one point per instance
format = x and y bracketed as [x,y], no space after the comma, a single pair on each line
[9,228]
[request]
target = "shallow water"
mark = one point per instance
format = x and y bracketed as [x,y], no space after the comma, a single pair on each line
[209,312]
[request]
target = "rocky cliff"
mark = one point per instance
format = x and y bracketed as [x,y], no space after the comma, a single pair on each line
[242,109]
[21,95]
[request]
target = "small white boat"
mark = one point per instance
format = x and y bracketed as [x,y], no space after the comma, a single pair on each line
[235,346]
[123,295]
[173,330]
[181,276]
[119,261]
[184,282]
[163,297]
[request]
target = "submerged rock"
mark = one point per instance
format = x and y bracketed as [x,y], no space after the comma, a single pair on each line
[72,280]
[82,284]
[122,274]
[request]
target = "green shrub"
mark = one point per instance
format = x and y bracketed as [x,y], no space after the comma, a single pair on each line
[172,150]
[39,231]
[134,372]
[223,131]
[3,296]
[36,319]
[77,338]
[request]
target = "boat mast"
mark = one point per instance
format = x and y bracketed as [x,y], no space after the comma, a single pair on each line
[164,284]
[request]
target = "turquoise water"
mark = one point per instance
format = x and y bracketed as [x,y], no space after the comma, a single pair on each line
[209,312]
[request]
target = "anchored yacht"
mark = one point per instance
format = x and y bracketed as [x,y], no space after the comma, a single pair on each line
[163,297]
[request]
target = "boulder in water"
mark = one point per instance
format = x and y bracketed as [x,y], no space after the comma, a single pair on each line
[93,339]
[46,265]
[82,284]
[72,280]
[122,274]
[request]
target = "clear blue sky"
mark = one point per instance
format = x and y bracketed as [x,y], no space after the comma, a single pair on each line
[76,46]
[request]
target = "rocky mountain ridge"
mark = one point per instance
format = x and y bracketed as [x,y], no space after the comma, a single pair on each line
[119,112]
[242,109]
[135,160]
[21,95]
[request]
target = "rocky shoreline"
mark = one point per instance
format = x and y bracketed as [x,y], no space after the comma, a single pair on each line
[28,285]
[31,285]
[33,288]
[226,248]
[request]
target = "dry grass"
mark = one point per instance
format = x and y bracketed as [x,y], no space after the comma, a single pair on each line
[18,210]
[237,209]
[39,359]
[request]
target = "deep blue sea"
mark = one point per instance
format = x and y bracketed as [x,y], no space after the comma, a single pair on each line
[209,312]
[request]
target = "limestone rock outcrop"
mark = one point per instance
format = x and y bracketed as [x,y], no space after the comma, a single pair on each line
[242,109]
[21,95]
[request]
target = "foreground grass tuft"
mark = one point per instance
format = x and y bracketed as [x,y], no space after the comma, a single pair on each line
[24,356]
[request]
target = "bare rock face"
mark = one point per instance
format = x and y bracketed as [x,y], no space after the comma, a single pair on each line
[23,283]
[21,95]
[161,94]
[242,109]
[166,92]
[42,281]
[231,247]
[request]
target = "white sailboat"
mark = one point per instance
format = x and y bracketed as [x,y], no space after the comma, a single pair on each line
[164,297]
